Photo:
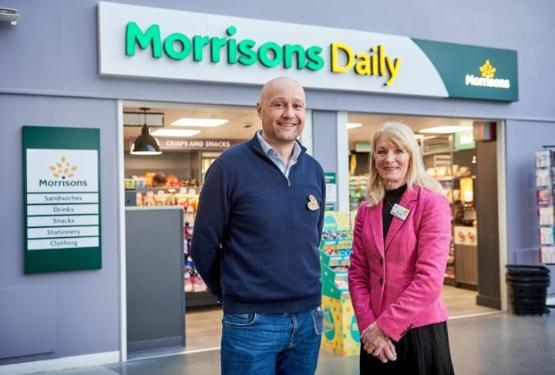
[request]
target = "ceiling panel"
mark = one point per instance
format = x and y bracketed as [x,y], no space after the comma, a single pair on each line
[243,121]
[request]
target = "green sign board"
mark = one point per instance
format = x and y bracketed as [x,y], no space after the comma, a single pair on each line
[61,199]
[331,191]
[464,140]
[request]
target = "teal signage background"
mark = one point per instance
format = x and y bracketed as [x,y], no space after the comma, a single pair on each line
[455,61]
[66,259]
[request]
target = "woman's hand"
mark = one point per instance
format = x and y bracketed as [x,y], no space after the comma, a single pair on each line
[376,343]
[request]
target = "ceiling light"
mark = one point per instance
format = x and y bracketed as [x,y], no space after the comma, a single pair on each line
[145,144]
[175,132]
[353,125]
[200,122]
[445,129]
[152,119]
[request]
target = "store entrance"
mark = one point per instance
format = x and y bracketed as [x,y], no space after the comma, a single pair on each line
[449,153]
[168,305]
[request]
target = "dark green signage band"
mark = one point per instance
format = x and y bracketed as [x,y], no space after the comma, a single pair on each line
[460,69]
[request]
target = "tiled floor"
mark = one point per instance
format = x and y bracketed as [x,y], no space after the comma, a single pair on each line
[491,343]
[462,302]
[203,327]
[498,344]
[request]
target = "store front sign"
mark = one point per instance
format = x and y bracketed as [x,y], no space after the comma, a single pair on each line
[138,41]
[61,199]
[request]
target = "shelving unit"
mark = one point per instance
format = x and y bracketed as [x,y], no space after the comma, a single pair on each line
[358,187]
[545,185]
[437,151]
[449,167]
[184,172]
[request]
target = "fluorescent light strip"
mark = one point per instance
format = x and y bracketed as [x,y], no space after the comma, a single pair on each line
[445,129]
[353,125]
[200,122]
[175,132]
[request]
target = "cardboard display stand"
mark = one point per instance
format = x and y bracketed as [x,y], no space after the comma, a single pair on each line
[341,336]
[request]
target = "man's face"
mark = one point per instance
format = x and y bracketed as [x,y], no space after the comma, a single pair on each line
[281,110]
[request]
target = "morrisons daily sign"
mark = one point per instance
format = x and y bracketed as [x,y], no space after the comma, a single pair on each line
[139,41]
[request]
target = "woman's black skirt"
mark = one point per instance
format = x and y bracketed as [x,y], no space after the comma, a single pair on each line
[421,351]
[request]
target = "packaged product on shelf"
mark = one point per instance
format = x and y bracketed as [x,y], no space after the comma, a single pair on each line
[545,197]
[187,237]
[545,159]
[335,248]
[188,275]
[129,183]
[188,285]
[544,178]
[358,187]
[547,254]
[189,215]
[198,283]
[546,235]
[546,215]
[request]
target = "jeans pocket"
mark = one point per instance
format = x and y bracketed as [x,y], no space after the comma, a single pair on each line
[318,319]
[239,320]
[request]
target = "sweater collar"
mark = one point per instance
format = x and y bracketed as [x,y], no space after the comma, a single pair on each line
[255,144]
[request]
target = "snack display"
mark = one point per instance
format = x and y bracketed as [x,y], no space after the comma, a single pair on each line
[335,248]
[152,180]
[192,280]
[341,334]
[158,189]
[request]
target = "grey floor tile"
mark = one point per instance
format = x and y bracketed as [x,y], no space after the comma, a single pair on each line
[499,344]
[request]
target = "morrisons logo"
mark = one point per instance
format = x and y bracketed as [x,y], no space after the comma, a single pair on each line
[63,173]
[62,183]
[487,78]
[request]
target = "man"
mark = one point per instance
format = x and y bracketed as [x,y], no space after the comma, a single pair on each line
[255,241]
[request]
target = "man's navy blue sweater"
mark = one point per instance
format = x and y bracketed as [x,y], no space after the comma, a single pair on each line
[255,241]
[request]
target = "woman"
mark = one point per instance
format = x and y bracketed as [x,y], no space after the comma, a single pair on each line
[400,245]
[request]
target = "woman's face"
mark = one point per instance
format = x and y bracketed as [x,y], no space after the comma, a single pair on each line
[392,163]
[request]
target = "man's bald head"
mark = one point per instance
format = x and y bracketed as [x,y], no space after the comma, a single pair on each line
[281,83]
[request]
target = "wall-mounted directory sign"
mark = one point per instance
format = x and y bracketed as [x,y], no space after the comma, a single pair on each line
[61,199]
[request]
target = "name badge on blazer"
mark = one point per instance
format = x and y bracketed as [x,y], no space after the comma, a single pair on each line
[312,203]
[399,211]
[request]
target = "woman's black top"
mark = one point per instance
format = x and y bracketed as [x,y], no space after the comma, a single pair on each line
[391,197]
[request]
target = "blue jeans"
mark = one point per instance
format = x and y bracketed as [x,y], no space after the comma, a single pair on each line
[264,344]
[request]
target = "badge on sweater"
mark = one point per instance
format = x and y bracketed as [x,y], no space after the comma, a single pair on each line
[312,204]
[399,211]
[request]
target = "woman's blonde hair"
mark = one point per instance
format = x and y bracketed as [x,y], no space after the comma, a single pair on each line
[401,136]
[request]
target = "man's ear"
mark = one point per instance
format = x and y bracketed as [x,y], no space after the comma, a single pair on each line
[259,110]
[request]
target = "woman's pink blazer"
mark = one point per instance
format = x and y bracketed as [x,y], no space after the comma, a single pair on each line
[398,284]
